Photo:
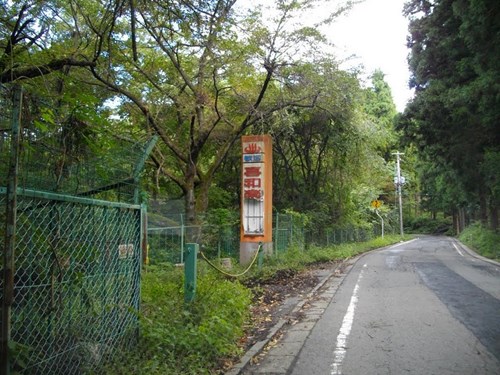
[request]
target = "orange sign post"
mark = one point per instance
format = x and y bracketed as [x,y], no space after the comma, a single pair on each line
[256,196]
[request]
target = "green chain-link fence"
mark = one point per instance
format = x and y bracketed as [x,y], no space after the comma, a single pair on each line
[166,242]
[288,231]
[76,283]
[71,259]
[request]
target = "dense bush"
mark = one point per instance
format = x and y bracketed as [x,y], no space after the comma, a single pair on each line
[185,339]
[484,241]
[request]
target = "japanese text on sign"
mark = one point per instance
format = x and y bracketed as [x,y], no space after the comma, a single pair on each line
[252,182]
[253,187]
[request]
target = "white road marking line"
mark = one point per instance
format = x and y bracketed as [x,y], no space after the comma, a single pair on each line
[457,249]
[403,243]
[340,348]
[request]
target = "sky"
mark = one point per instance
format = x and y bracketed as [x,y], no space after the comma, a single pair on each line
[375,31]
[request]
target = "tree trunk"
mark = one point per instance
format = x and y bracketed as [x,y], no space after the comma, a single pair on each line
[196,202]
[483,208]
[202,196]
[192,233]
[461,217]
[192,228]
[493,216]
[456,222]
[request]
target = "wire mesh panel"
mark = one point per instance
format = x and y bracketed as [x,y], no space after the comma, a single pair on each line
[288,231]
[165,244]
[77,282]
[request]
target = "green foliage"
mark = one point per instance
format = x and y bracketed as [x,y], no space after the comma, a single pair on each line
[482,240]
[453,119]
[222,216]
[428,225]
[20,355]
[185,339]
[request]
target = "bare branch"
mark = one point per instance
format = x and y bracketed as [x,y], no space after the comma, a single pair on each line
[145,110]
[12,75]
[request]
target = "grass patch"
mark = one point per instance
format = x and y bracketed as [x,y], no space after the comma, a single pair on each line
[482,240]
[186,339]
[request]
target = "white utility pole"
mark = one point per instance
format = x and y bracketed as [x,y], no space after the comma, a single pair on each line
[399,181]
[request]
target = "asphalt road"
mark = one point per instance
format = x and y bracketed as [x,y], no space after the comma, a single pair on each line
[423,307]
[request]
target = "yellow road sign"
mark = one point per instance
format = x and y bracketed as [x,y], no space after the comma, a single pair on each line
[376,203]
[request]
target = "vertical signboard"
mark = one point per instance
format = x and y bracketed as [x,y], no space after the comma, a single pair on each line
[256,195]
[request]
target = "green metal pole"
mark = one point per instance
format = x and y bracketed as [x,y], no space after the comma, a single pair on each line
[191,254]
[277,232]
[183,230]
[10,233]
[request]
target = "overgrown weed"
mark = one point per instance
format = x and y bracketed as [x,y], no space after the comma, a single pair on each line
[482,240]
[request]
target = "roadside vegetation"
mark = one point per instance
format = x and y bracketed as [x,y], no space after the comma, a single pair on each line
[429,225]
[482,240]
[204,336]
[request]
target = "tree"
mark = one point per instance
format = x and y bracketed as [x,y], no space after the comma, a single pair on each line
[455,74]
[26,37]
[307,140]
[61,117]
[329,160]
[199,75]
[381,114]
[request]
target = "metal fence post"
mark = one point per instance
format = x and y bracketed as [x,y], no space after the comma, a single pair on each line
[10,232]
[144,234]
[276,233]
[183,231]
[190,272]
[140,166]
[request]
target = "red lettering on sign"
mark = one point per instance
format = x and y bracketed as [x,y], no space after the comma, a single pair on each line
[252,171]
[252,182]
[253,194]
[252,148]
